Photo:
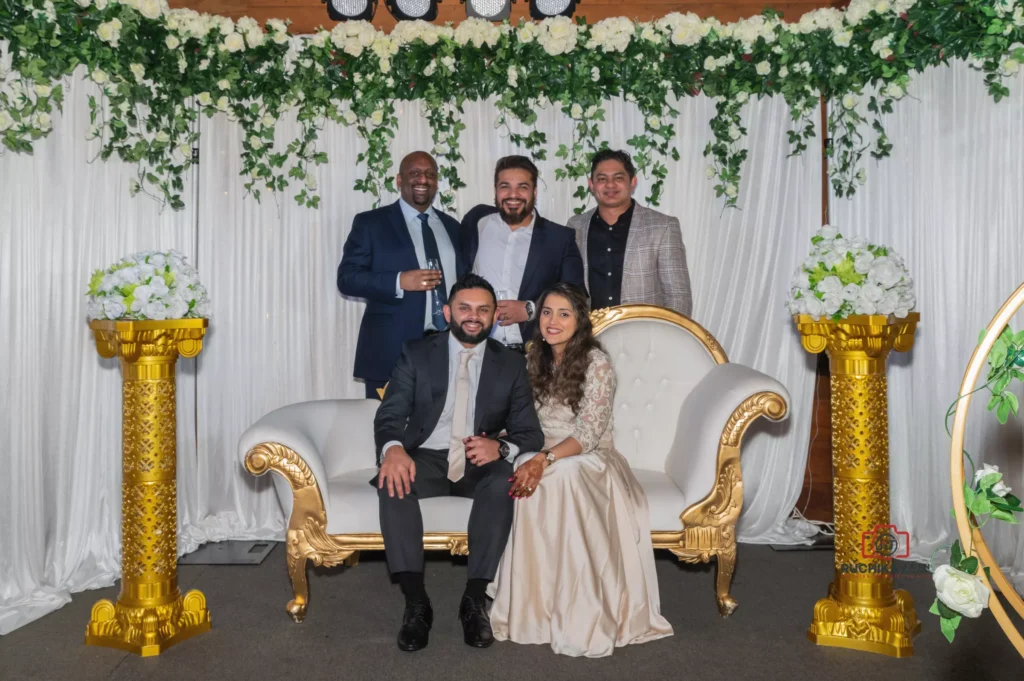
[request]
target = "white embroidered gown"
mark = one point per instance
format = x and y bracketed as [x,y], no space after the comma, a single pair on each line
[578,571]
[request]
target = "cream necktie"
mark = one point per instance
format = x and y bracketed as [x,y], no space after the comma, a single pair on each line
[457,450]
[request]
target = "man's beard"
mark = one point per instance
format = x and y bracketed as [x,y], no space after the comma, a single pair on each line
[515,218]
[466,337]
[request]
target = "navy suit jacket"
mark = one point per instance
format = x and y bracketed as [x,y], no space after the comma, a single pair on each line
[553,257]
[377,249]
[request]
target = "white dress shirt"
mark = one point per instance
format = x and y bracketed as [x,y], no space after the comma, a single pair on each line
[501,260]
[440,438]
[444,249]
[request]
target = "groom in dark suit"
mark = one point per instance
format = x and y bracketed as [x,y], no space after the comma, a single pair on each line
[387,261]
[436,434]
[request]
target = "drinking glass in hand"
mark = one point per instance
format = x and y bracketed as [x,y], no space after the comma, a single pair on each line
[502,294]
[436,305]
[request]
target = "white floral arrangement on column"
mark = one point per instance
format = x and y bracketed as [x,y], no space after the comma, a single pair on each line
[153,285]
[843,277]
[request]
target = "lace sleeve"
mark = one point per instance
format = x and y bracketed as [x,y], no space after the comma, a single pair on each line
[595,412]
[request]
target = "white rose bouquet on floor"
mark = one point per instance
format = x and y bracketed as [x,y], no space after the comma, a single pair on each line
[152,285]
[843,277]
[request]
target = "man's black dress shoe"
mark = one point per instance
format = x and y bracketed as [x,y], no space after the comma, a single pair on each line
[416,623]
[476,624]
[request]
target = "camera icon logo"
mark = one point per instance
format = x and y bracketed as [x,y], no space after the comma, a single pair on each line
[885,542]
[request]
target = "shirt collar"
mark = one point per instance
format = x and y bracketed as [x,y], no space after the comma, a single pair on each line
[624,220]
[411,213]
[455,347]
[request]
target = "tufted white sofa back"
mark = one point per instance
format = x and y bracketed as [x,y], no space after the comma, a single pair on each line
[656,364]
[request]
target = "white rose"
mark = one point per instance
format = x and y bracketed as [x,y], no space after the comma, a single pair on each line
[377,117]
[172,42]
[851,292]
[832,303]
[595,74]
[449,63]
[862,263]
[783,71]
[350,117]
[5,120]
[234,43]
[151,9]
[882,6]
[887,305]
[42,121]
[710,171]
[814,307]
[205,99]
[282,38]
[709,64]
[653,122]
[268,120]
[109,31]
[255,142]
[871,293]
[734,133]
[177,308]
[959,591]
[830,285]
[863,306]
[162,137]
[842,38]
[311,181]
[223,84]
[884,272]
[827,232]
[43,90]
[1000,488]
[113,307]
[222,103]
[576,111]
[763,68]
[731,191]
[385,65]
[885,53]
[839,70]
[155,309]
[742,97]
[894,91]
[849,101]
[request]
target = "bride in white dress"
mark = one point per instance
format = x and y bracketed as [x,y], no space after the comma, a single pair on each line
[578,571]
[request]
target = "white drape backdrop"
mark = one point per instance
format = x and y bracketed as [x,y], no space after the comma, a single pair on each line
[281,333]
[950,201]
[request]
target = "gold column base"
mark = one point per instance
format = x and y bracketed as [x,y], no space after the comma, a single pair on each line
[886,630]
[147,630]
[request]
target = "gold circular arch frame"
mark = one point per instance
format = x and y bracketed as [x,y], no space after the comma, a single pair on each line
[970,536]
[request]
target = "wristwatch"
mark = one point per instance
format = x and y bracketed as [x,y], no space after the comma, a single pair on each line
[503,449]
[549,456]
[529,310]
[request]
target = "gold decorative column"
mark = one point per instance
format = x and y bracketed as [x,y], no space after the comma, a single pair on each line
[862,610]
[150,615]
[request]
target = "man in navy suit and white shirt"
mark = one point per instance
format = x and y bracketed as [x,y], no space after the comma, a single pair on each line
[385,261]
[517,251]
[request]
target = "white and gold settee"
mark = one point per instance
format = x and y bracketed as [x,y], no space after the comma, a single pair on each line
[681,410]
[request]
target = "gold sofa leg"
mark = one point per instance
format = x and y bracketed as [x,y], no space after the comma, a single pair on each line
[723,580]
[297,571]
[352,560]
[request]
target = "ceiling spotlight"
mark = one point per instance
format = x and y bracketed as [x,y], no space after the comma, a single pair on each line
[408,10]
[491,10]
[351,10]
[542,9]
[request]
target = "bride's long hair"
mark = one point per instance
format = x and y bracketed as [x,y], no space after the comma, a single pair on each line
[563,383]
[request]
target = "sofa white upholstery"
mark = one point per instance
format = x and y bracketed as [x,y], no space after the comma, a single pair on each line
[680,413]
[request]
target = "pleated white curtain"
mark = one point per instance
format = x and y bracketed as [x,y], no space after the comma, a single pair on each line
[281,332]
[950,201]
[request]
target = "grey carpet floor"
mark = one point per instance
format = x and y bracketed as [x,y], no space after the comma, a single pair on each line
[354,615]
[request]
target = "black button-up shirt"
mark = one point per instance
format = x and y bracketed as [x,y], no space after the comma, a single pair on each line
[606,252]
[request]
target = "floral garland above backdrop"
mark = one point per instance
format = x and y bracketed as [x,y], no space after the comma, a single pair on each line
[158,69]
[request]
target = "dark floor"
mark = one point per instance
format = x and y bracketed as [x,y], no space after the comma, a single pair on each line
[354,614]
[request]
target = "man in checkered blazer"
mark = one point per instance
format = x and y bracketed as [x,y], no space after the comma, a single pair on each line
[631,254]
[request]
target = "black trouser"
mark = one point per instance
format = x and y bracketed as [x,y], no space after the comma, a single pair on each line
[489,522]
